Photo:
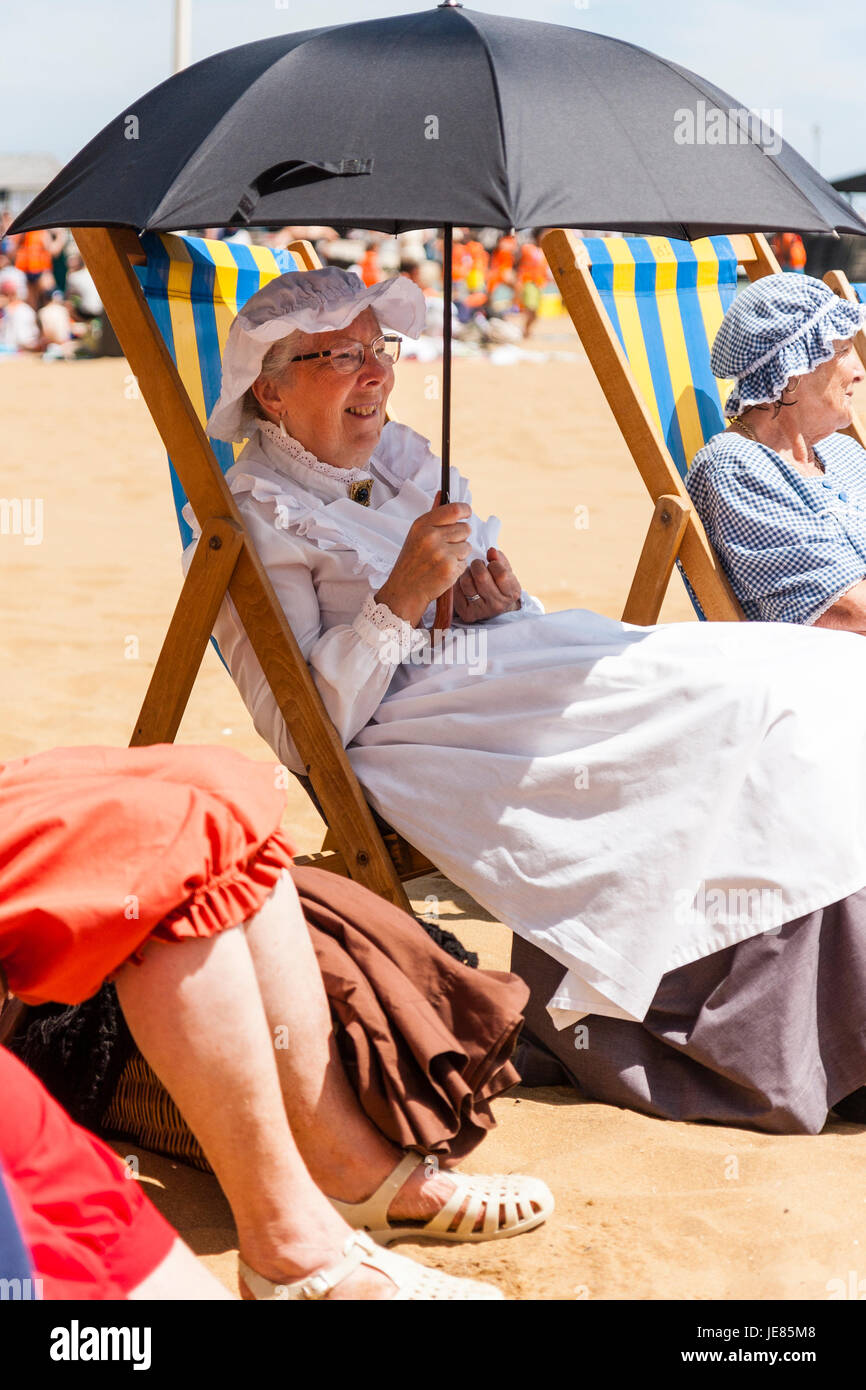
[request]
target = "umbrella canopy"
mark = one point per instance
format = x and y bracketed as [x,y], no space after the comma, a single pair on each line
[444,116]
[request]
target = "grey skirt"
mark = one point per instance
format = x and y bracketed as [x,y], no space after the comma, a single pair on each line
[769,1033]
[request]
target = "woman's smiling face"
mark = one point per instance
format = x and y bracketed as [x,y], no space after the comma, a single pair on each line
[338,417]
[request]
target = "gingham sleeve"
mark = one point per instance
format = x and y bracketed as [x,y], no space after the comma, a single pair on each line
[788,557]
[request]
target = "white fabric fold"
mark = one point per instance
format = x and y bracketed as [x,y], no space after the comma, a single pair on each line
[597,787]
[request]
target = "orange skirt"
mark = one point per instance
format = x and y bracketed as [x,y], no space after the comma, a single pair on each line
[101,848]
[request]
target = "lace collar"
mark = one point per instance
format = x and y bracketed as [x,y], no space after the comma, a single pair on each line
[296,451]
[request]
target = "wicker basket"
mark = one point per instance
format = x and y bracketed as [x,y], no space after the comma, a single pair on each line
[142,1110]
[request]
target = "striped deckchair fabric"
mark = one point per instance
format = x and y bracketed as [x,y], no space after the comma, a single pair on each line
[666,300]
[647,310]
[194,288]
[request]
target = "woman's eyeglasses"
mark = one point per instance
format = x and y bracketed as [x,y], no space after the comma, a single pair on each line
[350,356]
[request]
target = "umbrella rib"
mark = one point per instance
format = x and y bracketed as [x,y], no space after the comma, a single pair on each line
[495,84]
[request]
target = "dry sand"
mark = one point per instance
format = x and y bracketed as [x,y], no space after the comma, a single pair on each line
[645,1209]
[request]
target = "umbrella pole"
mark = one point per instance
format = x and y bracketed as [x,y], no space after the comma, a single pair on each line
[445,602]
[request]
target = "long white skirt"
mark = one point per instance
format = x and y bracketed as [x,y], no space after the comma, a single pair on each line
[624,796]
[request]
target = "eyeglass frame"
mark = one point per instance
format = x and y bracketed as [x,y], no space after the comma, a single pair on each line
[355,342]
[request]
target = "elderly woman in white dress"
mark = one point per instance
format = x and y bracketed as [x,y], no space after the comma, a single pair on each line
[672,820]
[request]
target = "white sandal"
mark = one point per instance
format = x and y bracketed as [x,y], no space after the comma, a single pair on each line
[485,1196]
[413,1281]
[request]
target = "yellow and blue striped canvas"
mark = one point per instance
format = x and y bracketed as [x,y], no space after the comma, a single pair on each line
[194,288]
[666,300]
[859,289]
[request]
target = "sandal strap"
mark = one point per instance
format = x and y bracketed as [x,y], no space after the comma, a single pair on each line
[412,1281]
[501,1200]
[358,1249]
[373,1211]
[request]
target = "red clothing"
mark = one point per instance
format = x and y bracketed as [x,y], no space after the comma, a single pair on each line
[101,848]
[90,1229]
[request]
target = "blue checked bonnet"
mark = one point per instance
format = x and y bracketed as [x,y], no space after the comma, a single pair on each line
[311,301]
[778,327]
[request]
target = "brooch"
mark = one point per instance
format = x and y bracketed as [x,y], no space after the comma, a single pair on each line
[361,491]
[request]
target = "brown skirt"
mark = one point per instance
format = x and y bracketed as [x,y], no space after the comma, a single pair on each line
[425,1040]
[769,1033]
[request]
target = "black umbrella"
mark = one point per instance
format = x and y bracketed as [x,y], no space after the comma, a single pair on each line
[434,119]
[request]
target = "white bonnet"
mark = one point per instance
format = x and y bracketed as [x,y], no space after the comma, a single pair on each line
[312,301]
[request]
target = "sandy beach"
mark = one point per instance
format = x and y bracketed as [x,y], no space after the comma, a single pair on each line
[646,1209]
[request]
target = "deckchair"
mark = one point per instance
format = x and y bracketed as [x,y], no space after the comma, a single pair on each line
[646,310]
[856,292]
[171,299]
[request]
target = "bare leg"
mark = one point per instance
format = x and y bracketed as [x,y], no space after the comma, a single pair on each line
[195,1012]
[346,1154]
[179,1276]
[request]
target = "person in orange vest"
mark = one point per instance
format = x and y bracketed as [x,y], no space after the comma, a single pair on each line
[34,258]
[790,252]
[476,275]
[532,276]
[502,263]
[461,272]
[369,265]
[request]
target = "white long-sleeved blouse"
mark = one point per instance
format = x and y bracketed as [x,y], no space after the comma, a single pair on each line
[326,556]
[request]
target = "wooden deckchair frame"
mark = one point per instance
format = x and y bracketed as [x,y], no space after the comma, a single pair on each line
[225,562]
[841,285]
[675,530]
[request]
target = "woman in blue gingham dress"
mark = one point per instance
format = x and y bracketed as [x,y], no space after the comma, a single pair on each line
[782,495]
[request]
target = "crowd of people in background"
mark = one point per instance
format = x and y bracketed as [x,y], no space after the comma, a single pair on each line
[50,305]
[48,301]
[497,280]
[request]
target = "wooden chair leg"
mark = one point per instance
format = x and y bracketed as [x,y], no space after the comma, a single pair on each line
[189,632]
[660,549]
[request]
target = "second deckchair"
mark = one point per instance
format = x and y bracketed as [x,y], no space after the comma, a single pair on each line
[646,310]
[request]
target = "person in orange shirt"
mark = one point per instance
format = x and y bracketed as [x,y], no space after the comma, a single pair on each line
[502,263]
[790,251]
[476,274]
[34,258]
[532,276]
[369,266]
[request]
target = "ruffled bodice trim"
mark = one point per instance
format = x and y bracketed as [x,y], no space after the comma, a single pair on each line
[295,450]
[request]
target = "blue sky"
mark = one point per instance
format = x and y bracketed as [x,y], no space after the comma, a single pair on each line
[803,58]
